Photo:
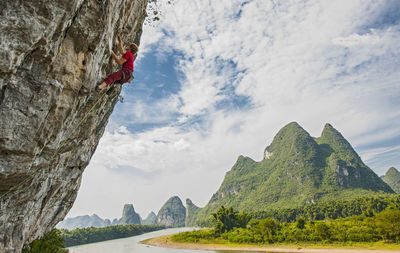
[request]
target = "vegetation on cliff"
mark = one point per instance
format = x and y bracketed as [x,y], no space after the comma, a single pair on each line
[191,213]
[392,178]
[297,169]
[333,209]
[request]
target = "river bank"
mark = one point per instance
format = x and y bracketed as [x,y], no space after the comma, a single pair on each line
[166,242]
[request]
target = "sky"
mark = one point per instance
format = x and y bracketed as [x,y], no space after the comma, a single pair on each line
[218,79]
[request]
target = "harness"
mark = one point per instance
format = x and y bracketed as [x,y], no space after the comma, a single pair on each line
[126,75]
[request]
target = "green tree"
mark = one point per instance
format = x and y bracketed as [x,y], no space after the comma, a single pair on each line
[51,242]
[300,223]
[388,224]
[322,230]
[267,229]
[226,219]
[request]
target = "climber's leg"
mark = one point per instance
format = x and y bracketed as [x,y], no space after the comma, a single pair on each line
[102,85]
[114,77]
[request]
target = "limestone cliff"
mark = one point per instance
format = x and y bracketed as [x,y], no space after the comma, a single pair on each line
[83,221]
[150,219]
[129,216]
[52,55]
[191,213]
[172,213]
[392,178]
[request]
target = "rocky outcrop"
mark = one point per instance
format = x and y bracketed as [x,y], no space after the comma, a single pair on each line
[172,213]
[151,219]
[52,55]
[83,221]
[129,216]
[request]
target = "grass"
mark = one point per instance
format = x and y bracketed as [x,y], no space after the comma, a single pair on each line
[380,245]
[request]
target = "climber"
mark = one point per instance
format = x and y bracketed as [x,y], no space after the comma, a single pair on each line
[124,75]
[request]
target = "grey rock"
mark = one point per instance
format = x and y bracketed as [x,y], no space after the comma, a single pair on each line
[83,222]
[129,216]
[172,213]
[115,222]
[52,55]
[151,219]
[107,223]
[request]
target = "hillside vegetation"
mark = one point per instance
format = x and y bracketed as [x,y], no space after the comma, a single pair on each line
[392,178]
[297,169]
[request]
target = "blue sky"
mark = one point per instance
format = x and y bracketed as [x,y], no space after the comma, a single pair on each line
[218,79]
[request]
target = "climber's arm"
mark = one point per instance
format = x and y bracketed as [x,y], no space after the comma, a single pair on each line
[120,61]
[120,46]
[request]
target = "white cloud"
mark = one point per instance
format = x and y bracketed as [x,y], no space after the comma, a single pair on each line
[307,61]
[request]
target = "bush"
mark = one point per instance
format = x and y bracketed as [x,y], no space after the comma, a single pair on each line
[51,242]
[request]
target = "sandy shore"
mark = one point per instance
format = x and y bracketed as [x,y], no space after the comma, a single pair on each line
[165,241]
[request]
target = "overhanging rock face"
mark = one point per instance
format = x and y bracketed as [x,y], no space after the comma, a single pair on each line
[52,55]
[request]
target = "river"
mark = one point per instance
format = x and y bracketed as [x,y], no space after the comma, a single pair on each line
[132,244]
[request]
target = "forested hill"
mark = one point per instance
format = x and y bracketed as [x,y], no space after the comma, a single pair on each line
[392,178]
[297,169]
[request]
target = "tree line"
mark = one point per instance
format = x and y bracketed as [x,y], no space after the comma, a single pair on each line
[333,209]
[235,227]
[324,210]
[91,234]
[56,240]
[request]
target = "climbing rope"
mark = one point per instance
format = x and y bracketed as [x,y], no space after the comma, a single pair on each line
[59,148]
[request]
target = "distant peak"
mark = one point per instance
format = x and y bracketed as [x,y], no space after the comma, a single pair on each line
[174,200]
[151,214]
[392,170]
[328,128]
[330,134]
[293,123]
[288,134]
[291,141]
[244,158]
[190,204]
[129,206]
[293,126]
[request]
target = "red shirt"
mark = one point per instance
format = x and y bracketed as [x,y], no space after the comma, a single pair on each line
[129,61]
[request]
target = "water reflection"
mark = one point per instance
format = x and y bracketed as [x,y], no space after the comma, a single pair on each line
[131,244]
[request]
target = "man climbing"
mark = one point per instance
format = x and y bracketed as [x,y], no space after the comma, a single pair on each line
[123,75]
